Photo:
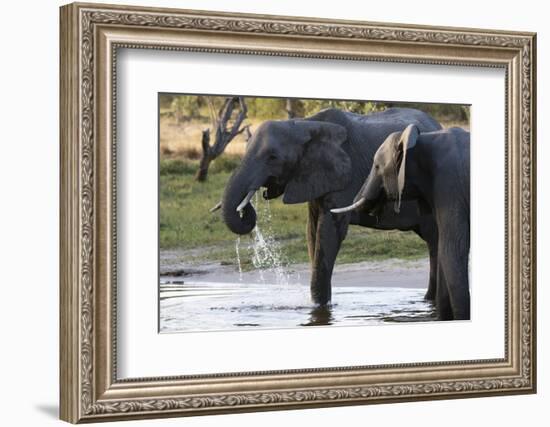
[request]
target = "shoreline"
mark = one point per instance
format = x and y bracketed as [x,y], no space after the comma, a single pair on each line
[386,273]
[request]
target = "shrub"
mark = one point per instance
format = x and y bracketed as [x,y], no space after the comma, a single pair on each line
[177,167]
[225,163]
[166,151]
[191,153]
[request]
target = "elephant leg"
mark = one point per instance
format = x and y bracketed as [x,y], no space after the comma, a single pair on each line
[311,229]
[428,232]
[331,230]
[453,258]
[443,303]
[432,281]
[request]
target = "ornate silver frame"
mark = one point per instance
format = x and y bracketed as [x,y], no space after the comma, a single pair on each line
[90,36]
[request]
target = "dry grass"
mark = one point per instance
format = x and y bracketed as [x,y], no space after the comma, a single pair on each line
[184,140]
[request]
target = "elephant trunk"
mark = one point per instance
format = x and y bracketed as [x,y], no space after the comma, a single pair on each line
[237,211]
[371,189]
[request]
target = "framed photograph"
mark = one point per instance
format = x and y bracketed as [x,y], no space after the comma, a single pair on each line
[267,212]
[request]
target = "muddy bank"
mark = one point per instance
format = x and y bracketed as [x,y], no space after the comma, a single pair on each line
[387,273]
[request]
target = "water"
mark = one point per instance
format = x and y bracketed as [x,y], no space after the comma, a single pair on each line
[237,252]
[211,306]
[272,296]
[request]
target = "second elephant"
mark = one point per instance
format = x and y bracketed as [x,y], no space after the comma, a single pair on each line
[433,168]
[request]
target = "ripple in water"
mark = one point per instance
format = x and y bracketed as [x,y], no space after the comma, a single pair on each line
[206,306]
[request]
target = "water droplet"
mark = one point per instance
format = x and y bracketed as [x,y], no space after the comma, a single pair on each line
[237,244]
[267,254]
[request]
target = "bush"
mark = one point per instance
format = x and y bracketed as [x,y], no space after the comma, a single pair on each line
[313,106]
[190,153]
[266,108]
[178,167]
[166,151]
[225,163]
[185,107]
[440,112]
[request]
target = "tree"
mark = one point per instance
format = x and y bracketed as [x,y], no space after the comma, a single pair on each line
[294,108]
[224,133]
[266,108]
[183,107]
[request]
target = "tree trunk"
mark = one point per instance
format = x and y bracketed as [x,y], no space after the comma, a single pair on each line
[294,108]
[206,158]
[290,109]
[202,172]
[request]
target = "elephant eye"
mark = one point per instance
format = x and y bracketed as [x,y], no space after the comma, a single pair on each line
[272,156]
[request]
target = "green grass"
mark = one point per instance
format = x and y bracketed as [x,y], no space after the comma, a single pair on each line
[186,223]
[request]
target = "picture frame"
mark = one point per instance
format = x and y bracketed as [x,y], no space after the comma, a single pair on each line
[91,37]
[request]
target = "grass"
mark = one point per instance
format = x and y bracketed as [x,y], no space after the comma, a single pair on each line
[187,224]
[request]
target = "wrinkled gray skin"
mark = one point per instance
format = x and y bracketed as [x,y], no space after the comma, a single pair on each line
[433,168]
[324,160]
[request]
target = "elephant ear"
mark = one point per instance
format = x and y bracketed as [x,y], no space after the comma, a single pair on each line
[406,141]
[324,166]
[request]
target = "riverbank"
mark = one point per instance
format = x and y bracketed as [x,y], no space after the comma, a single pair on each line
[386,273]
[214,297]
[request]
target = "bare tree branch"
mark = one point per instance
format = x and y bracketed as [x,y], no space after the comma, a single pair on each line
[248,133]
[223,135]
[240,118]
[244,129]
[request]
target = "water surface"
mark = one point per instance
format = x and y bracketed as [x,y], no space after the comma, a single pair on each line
[272,295]
[209,306]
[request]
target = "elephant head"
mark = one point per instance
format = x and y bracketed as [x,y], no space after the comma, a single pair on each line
[302,159]
[386,179]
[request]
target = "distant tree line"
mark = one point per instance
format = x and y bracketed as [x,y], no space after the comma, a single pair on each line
[227,115]
[202,107]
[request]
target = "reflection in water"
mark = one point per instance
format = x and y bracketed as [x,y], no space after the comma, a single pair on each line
[320,315]
[210,306]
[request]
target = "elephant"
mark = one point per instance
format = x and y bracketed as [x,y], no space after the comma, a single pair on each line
[323,160]
[434,169]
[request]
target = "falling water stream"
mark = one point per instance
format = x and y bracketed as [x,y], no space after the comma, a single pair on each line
[237,252]
[264,249]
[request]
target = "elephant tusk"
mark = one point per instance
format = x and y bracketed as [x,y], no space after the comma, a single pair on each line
[358,203]
[246,200]
[217,207]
